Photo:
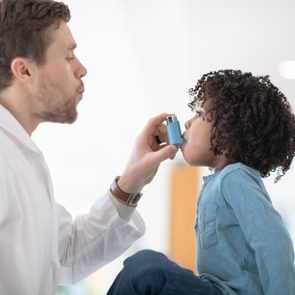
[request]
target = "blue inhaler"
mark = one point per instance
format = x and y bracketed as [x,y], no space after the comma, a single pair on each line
[173,131]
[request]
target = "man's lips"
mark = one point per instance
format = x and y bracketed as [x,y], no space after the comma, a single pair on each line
[80,94]
[81,90]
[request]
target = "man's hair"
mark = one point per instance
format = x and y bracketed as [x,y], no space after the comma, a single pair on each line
[252,121]
[24,31]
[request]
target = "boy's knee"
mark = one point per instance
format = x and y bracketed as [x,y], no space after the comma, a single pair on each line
[146,261]
[144,256]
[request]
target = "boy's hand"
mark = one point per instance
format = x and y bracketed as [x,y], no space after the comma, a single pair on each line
[147,156]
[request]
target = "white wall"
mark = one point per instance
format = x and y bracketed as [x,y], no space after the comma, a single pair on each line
[142,57]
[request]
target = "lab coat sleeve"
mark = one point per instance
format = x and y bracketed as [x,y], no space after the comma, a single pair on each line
[93,240]
[3,197]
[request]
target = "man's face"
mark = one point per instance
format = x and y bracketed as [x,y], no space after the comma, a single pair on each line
[59,86]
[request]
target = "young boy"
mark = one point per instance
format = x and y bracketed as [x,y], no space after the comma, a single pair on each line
[243,129]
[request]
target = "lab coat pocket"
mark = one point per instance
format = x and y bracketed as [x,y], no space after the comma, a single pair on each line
[209,237]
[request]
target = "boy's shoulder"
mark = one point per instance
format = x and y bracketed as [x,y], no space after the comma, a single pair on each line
[238,171]
[237,174]
[235,180]
[234,167]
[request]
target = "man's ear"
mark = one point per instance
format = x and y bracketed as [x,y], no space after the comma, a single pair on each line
[22,69]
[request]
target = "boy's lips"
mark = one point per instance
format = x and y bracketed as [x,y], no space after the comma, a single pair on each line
[184,142]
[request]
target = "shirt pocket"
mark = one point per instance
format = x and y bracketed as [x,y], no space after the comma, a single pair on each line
[209,236]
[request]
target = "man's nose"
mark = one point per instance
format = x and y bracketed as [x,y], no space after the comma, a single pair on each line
[81,71]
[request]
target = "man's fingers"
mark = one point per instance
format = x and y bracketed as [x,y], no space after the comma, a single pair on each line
[154,123]
[164,153]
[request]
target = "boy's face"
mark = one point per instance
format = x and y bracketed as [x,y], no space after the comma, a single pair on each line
[196,149]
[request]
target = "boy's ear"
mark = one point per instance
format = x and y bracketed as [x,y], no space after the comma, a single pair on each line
[22,69]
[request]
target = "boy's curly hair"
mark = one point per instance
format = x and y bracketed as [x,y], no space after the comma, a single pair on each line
[252,121]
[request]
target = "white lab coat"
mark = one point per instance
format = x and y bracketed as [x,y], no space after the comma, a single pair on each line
[40,245]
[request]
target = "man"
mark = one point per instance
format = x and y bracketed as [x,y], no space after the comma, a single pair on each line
[41,81]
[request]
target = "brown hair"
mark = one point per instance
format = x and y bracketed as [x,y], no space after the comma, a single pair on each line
[24,28]
[252,121]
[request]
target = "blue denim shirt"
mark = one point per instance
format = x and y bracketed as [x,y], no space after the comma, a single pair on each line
[243,246]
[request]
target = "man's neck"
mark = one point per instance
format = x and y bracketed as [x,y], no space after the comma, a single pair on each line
[19,107]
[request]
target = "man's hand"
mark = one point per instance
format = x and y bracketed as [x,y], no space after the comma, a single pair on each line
[147,156]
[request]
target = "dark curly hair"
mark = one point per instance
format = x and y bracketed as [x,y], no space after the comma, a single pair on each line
[252,121]
[24,31]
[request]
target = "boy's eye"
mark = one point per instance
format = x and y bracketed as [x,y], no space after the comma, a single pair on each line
[198,113]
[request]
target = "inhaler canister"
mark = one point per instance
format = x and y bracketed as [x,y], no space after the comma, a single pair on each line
[173,131]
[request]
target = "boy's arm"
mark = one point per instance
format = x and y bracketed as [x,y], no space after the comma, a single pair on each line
[265,232]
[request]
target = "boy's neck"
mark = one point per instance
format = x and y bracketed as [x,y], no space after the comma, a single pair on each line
[221,162]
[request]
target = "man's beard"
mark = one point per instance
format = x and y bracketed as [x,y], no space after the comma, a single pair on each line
[65,113]
[61,110]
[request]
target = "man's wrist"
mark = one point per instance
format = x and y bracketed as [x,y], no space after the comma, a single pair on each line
[129,199]
[129,183]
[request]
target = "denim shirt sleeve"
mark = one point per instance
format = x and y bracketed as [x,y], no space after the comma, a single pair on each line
[264,231]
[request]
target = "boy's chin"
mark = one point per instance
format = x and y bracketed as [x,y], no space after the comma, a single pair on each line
[186,159]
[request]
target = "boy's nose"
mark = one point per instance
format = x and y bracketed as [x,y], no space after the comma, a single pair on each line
[187,124]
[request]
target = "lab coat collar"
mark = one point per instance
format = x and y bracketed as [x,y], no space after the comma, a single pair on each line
[9,123]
